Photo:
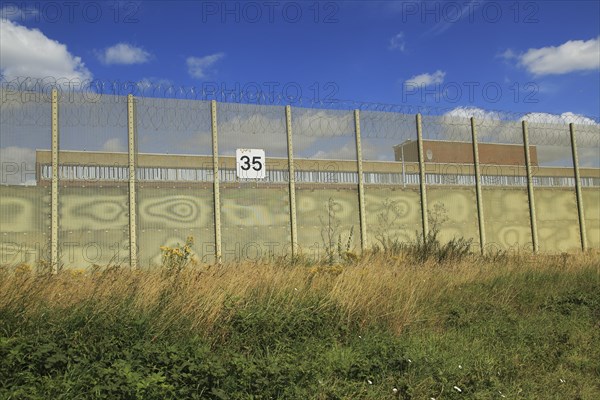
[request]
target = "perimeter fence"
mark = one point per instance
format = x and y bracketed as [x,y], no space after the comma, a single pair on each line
[108,172]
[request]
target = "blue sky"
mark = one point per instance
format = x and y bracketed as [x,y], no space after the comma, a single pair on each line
[514,56]
[462,58]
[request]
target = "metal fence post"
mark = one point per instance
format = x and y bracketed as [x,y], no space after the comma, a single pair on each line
[133,256]
[532,215]
[361,191]
[480,215]
[216,192]
[580,211]
[54,193]
[422,178]
[292,181]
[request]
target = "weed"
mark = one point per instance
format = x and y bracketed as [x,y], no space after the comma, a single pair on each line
[175,259]
[330,226]
[429,246]
[423,248]
[386,222]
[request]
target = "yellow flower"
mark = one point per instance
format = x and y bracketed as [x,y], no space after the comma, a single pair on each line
[76,272]
[23,268]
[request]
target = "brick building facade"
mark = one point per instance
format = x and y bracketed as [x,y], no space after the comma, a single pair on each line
[437,151]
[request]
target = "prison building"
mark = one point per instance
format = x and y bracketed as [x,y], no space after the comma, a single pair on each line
[446,152]
[450,167]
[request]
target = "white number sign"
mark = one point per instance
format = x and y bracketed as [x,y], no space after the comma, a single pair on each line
[250,163]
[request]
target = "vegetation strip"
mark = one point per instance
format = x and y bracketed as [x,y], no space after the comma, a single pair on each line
[397,324]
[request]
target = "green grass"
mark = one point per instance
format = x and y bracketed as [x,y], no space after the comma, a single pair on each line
[520,328]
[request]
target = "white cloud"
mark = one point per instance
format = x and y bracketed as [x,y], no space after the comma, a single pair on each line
[199,67]
[549,132]
[123,54]
[562,119]
[533,117]
[475,112]
[345,152]
[571,56]
[426,79]
[397,42]
[114,145]
[507,54]
[28,52]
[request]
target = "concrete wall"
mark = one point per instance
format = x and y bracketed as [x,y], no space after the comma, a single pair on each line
[255,220]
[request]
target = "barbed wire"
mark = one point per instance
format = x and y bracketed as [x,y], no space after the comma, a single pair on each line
[166,107]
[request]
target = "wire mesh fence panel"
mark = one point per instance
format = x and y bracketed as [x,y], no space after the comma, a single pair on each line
[550,135]
[25,126]
[550,147]
[588,150]
[93,180]
[591,199]
[452,211]
[174,173]
[383,133]
[557,219]
[507,219]
[255,207]
[25,231]
[554,182]
[173,126]
[588,154]
[504,184]
[450,174]
[391,177]
[326,182]
[393,215]
[174,176]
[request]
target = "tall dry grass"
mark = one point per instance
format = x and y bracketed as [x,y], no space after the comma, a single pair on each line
[375,290]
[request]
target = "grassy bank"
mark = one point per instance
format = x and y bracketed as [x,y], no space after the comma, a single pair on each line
[381,327]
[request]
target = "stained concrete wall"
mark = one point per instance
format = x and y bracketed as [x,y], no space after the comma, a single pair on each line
[255,220]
